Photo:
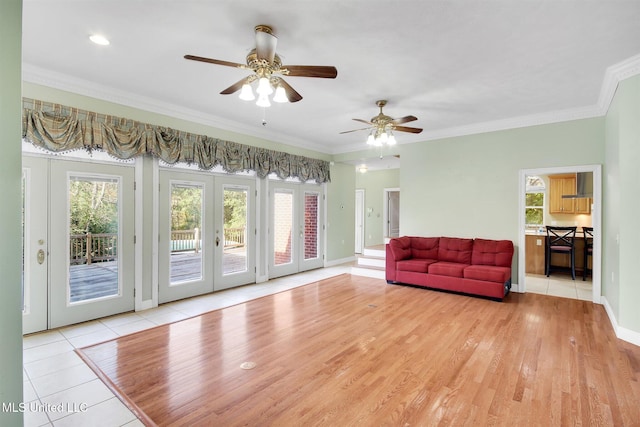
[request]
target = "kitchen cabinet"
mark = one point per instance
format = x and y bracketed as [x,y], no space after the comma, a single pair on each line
[582,206]
[535,246]
[565,184]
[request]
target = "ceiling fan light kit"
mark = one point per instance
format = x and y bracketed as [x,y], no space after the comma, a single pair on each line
[267,68]
[381,127]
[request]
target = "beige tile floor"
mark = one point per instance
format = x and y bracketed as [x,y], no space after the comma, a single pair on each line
[560,285]
[60,390]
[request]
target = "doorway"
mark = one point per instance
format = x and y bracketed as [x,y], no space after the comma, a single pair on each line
[391,219]
[359,221]
[596,220]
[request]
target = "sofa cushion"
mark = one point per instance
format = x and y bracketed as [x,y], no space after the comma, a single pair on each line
[415,265]
[400,247]
[424,247]
[455,250]
[492,252]
[488,273]
[451,269]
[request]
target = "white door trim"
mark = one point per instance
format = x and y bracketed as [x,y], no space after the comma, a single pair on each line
[385,209]
[596,222]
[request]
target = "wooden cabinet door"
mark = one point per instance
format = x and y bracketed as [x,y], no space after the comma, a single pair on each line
[560,185]
[583,206]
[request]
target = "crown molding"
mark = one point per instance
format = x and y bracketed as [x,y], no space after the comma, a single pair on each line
[44,77]
[612,77]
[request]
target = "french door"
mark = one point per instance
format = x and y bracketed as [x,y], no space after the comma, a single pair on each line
[295,233]
[207,233]
[78,227]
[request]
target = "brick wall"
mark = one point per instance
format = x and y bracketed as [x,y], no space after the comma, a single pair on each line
[311,225]
[282,224]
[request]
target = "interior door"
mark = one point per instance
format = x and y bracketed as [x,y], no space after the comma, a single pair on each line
[91,243]
[35,238]
[393,213]
[186,239]
[295,237]
[235,231]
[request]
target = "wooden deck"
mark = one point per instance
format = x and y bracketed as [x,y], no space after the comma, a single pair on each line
[355,351]
[101,279]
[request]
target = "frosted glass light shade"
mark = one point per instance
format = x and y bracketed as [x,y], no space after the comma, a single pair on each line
[264,87]
[280,95]
[246,94]
[263,101]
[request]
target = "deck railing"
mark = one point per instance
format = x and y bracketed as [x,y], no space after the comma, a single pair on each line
[185,240]
[234,237]
[88,248]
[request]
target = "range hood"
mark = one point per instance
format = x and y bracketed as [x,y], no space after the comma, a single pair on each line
[584,186]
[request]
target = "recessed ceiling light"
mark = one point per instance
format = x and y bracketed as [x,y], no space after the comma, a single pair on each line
[98,39]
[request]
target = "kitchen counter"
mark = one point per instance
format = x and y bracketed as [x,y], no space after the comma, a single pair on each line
[535,244]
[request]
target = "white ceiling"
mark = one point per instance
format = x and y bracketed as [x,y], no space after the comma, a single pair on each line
[459,66]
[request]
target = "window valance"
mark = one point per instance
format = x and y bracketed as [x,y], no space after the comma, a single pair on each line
[59,128]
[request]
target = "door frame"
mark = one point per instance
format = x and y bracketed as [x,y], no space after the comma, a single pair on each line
[360,204]
[385,213]
[596,222]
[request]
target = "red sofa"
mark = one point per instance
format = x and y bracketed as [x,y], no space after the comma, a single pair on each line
[471,266]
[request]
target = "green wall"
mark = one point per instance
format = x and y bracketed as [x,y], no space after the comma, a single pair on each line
[10,210]
[621,205]
[373,183]
[468,186]
[341,212]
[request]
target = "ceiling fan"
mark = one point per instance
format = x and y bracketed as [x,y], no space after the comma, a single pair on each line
[381,127]
[267,69]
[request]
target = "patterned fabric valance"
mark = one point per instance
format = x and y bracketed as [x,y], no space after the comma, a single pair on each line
[59,128]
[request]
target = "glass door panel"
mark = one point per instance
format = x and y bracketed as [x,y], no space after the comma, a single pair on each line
[235,232]
[311,256]
[282,226]
[93,217]
[234,254]
[185,250]
[186,232]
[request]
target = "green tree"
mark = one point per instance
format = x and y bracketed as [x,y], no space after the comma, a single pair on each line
[186,207]
[235,208]
[93,206]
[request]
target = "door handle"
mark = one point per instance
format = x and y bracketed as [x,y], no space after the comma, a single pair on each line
[40,256]
[217,241]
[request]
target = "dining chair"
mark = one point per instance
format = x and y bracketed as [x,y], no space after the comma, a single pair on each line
[588,249]
[561,240]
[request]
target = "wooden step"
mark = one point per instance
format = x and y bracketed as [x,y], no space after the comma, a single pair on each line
[369,271]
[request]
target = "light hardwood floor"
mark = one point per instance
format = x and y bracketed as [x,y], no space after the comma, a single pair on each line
[355,351]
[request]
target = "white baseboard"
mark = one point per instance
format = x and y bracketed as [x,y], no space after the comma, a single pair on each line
[339,261]
[624,334]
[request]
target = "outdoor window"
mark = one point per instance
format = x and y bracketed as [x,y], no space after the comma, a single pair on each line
[534,201]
